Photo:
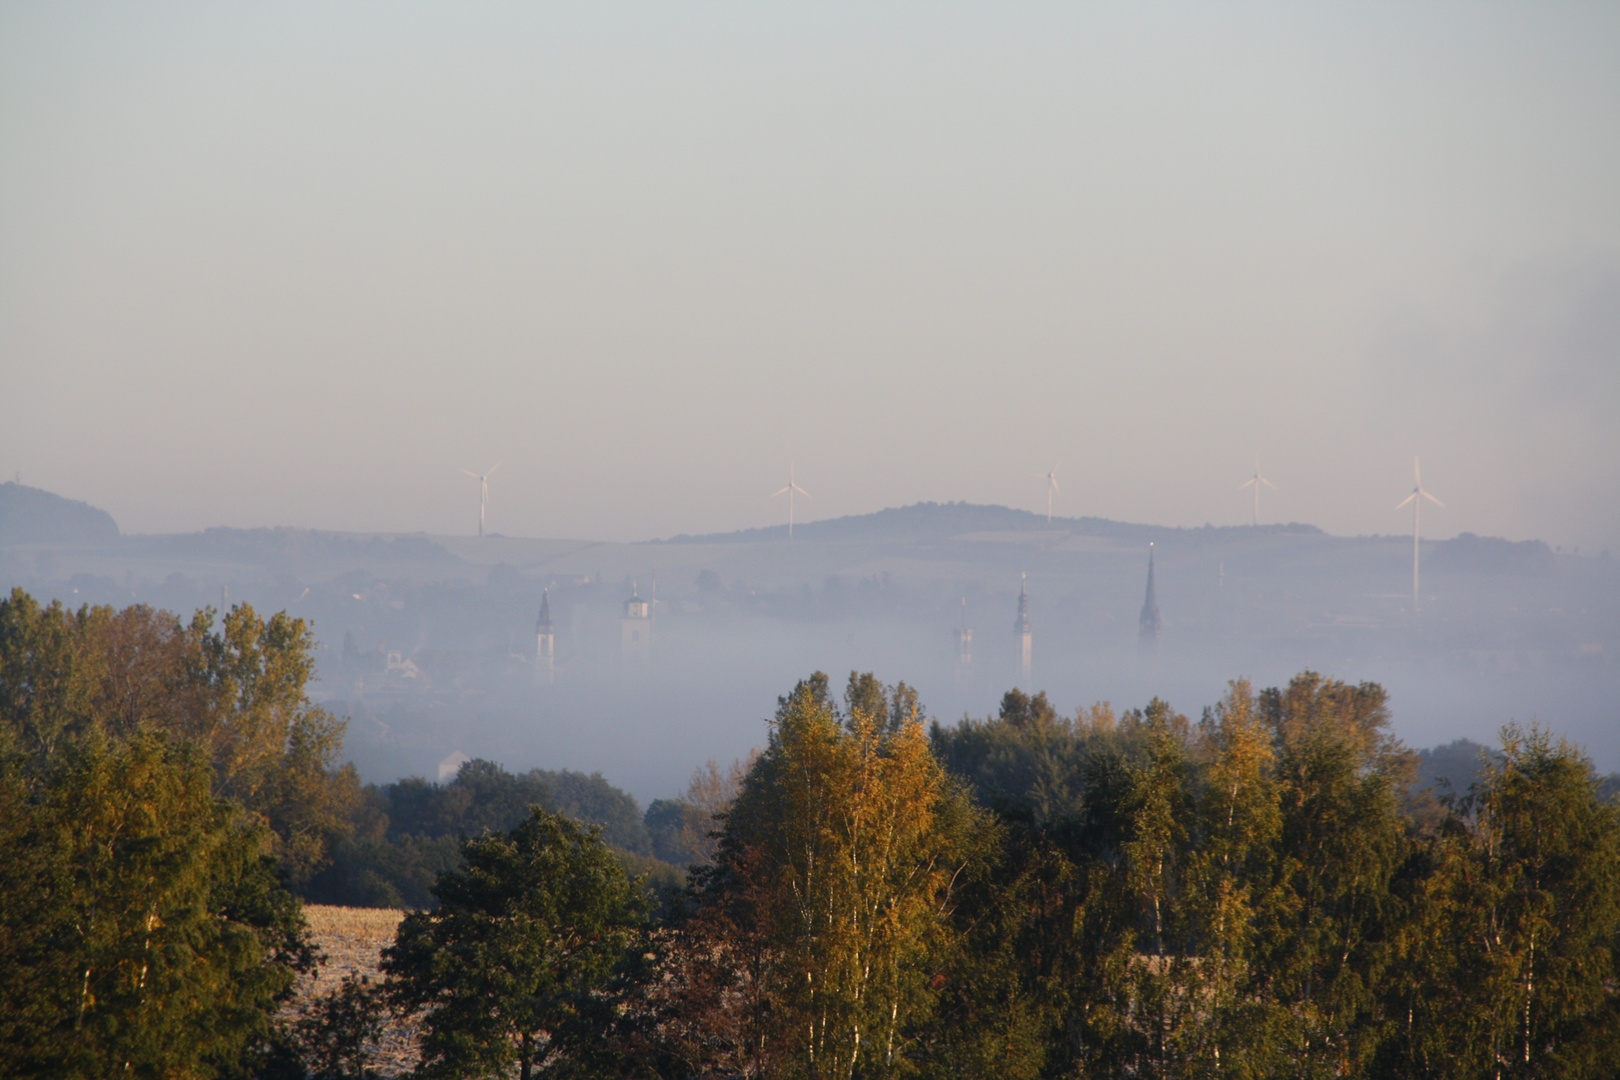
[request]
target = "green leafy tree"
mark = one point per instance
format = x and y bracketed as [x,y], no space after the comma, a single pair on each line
[510,968]
[1514,943]
[143,930]
[1328,931]
[238,692]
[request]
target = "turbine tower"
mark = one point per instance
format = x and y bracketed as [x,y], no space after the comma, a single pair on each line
[483,491]
[1416,499]
[1051,487]
[1255,481]
[789,492]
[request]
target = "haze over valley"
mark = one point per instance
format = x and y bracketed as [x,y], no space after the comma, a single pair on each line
[428,642]
[304,298]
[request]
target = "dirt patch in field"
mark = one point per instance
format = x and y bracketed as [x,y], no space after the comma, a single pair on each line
[352,940]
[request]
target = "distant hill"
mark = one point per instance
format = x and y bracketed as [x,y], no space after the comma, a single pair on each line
[1490,554]
[31,516]
[283,546]
[940,521]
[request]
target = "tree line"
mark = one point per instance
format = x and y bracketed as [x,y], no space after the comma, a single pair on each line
[1262,891]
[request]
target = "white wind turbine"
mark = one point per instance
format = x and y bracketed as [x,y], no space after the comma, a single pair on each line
[789,492]
[1255,481]
[483,491]
[1051,488]
[1416,499]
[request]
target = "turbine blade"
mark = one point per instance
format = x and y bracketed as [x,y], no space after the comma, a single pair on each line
[801,491]
[1406,500]
[1245,483]
[1054,483]
[774,494]
[1268,483]
[475,476]
[493,467]
[1432,499]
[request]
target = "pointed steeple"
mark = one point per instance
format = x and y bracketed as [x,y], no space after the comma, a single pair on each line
[545,642]
[1150,606]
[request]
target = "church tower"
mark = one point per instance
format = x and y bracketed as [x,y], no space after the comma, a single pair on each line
[1022,632]
[545,642]
[1149,628]
[635,629]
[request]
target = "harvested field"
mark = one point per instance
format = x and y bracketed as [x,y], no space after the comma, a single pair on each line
[352,941]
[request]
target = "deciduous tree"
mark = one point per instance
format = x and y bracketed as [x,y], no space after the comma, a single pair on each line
[511,964]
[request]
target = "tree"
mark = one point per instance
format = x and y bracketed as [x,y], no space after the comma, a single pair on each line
[511,965]
[338,1033]
[143,930]
[839,849]
[1327,935]
[1514,948]
[684,831]
[239,693]
[1230,879]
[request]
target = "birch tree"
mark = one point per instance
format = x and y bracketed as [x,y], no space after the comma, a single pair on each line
[840,837]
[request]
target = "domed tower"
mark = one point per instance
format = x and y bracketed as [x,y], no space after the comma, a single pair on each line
[545,642]
[1149,626]
[1022,632]
[635,629]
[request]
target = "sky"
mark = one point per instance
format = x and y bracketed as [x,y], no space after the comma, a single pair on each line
[302,264]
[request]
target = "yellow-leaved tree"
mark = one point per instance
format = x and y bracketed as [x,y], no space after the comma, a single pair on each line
[843,846]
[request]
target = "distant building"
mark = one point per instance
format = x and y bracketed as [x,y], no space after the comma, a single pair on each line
[397,665]
[635,629]
[1022,632]
[964,641]
[545,642]
[1149,627]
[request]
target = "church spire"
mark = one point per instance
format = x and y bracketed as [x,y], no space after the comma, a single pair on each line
[1150,607]
[545,644]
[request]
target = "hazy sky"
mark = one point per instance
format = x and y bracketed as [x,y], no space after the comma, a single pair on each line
[300,264]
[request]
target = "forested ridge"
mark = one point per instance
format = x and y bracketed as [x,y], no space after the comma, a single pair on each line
[1265,890]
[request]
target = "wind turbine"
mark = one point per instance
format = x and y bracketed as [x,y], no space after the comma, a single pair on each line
[1416,499]
[483,491]
[789,492]
[1051,487]
[1255,481]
